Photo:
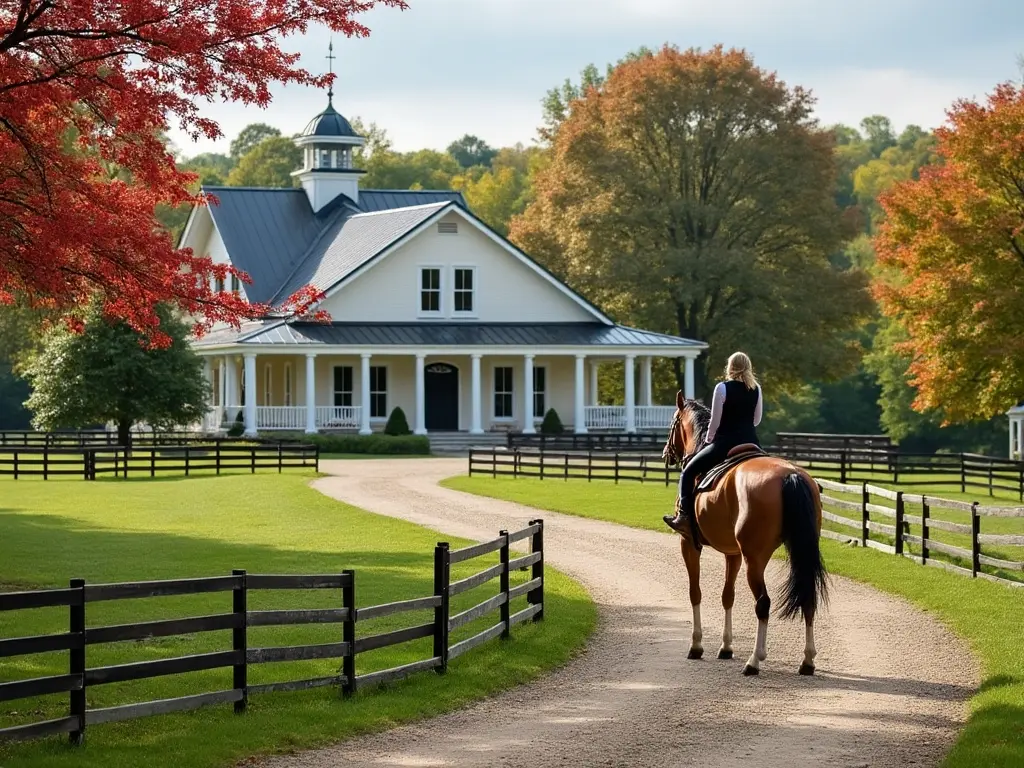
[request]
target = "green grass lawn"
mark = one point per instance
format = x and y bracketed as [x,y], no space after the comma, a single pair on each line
[987,615]
[111,530]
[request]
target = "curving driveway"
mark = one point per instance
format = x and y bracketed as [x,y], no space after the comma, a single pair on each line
[890,689]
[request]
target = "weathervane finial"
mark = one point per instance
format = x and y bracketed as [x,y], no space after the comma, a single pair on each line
[330,69]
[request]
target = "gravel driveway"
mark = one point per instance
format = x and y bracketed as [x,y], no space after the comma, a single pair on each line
[890,689]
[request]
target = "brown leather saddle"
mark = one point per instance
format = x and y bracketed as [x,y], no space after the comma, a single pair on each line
[734,458]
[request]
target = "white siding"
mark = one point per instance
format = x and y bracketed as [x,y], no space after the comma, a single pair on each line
[505,291]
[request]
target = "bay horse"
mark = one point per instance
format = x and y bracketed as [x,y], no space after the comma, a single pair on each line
[755,507]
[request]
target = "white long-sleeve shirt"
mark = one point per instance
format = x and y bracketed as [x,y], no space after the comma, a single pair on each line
[718,402]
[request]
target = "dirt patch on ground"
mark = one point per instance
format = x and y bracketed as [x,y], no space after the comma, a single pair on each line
[890,689]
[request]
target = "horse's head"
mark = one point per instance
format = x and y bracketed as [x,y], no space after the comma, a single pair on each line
[686,435]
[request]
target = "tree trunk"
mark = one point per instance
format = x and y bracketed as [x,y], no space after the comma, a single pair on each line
[124,434]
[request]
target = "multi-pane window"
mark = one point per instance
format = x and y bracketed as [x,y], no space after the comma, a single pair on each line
[343,386]
[430,290]
[267,399]
[503,393]
[463,290]
[236,284]
[539,391]
[378,392]
[288,384]
[219,285]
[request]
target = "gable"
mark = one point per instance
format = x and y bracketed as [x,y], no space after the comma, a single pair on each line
[507,287]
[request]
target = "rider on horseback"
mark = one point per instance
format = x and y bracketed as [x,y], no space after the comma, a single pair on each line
[735,412]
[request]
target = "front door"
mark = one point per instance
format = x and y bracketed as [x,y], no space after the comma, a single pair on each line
[441,395]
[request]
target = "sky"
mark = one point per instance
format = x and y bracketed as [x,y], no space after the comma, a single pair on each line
[445,68]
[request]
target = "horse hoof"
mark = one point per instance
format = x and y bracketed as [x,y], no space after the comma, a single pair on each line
[806,669]
[695,653]
[749,670]
[724,654]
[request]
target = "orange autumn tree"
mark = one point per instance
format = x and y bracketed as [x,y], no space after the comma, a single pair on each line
[951,262]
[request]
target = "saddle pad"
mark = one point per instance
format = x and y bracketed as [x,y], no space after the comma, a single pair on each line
[709,480]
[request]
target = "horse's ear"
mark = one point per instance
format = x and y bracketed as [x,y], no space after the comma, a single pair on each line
[680,400]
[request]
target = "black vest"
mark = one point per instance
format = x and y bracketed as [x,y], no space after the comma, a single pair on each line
[737,423]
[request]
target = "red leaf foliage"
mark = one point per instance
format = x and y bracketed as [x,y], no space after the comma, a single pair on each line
[86,89]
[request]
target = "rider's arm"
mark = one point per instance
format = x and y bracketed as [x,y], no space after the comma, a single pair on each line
[757,408]
[717,401]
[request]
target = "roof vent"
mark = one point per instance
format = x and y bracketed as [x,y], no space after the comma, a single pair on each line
[448,227]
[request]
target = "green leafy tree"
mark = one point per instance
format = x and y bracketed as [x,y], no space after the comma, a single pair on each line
[108,373]
[423,169]
[470,150]
[269,164]
[251,137]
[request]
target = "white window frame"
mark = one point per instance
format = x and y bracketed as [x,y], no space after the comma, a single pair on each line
[420,289]
[538,414]
[351,382]
[387,384]
[472,313]
[511,393]
[289,399]
[268,381]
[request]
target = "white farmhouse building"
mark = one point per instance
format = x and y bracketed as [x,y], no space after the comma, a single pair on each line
[431,311]
[1016,415]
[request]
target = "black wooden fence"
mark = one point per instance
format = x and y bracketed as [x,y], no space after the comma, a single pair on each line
[240,656]
[90,463]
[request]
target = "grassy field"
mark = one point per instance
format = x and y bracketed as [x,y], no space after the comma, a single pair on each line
[987,615]
[111,530]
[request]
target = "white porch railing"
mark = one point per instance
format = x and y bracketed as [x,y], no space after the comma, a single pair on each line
[614,416]
[288,417]
[338,416]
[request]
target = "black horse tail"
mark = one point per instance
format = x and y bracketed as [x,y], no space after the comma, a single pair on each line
[807,585]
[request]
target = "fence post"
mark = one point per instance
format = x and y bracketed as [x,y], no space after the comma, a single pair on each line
[316,458]
[188,455]
[505,613]
[494,462]
[280,459]
[590,465]
[566,467]
[252,449]
[616,467]
[46,461]
[15,465]
[865,532]
[540,459]
[442,578]
[924,530]
[894,464]
[536,596]
[348,629]
[240,640]
[218,456]
[842,465]
[990,491]
[963,475]
[152,460]
[975,543]
[76,625]
[899,522]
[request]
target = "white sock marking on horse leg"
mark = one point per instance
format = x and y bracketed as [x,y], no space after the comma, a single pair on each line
[698,632]
[761,648]
[809,650]
[727,631]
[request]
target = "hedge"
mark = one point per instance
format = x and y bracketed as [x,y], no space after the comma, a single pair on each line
[371,444]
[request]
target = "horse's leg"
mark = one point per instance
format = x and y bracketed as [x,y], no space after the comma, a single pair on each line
[692,559]
[762,608]
[807,668]
[732,569]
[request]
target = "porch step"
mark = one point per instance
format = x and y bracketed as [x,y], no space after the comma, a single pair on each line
[461,442]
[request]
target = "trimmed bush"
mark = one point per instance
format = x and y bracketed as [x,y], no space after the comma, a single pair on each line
[238,428]
[552,425]
[378,444]
[397,424]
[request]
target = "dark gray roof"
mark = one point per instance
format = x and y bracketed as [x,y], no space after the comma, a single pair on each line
[269,232]
[329,123]
[449,334]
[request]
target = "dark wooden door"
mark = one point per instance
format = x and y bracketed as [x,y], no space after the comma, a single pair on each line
[441,395]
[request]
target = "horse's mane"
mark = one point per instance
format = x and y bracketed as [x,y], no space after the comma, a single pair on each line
[700,415]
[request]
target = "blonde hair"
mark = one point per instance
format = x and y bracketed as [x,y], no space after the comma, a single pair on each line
[739,368]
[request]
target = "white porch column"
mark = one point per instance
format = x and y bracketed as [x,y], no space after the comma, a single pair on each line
[630,395]
[593,382]
[230,379]
[421,396]
[528,428]
[645,381]
[311,393]
[474,425]
[579,417]
[221,386]
[688,379]
[250,393]
[364,394]
[208,376]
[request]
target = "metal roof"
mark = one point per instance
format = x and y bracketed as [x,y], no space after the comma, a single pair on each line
[269,233]
[429,334]
[331,123]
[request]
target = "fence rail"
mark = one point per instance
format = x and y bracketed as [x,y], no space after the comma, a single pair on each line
[864,515]
[240,655]
[90,463]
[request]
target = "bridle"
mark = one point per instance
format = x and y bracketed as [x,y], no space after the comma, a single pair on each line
[673,458]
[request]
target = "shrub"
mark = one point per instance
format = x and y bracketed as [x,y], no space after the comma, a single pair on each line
[397,424]
[238,428]
[552,425]
[367,444]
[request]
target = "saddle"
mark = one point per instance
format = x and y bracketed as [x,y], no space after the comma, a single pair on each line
[734,458]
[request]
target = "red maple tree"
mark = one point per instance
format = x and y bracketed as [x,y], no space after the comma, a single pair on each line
[951,254]
[87,86]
